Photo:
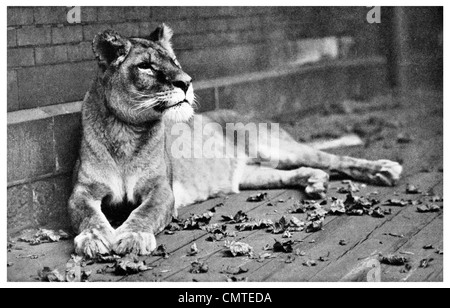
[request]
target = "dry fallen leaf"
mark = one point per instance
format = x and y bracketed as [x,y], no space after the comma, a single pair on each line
[197,221]
[393,260]
[257,198]
[130,264]
[309,263]
[427,208]
[49,275]
[45,236]
[425,262]
[411,189]
[239,248]
[193,250]
[198,267]
[161,251]
[283,246]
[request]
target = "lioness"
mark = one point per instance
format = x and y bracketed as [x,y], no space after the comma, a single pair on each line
[127,156]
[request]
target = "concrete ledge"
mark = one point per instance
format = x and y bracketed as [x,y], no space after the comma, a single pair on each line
[73,107]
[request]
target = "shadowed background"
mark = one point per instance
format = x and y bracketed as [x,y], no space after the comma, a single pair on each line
[270,61]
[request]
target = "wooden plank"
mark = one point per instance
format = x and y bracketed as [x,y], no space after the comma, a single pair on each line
[179,260]
[354,230]
[406,222]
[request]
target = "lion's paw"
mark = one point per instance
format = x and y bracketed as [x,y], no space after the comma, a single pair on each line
[389,173]
[140,243]
[317,185]
[92,242]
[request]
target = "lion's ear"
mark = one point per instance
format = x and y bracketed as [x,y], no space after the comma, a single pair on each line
[163,35]
[110,48]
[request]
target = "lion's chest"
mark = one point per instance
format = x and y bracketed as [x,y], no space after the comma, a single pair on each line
[123,187]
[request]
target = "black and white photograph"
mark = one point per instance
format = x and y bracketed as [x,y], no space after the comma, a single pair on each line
[223,145]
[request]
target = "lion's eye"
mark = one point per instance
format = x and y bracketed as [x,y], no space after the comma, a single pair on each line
[176,62]
[146,68]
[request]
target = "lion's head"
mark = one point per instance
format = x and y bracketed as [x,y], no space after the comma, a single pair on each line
[142,79]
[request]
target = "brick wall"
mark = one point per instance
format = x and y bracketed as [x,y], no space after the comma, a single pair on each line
[234,54]
[50,61]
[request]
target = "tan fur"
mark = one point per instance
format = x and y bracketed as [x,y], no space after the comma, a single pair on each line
[127,160]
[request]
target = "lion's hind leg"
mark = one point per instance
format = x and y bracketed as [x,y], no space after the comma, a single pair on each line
[314,181]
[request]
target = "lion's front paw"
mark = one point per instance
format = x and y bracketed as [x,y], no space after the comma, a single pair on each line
[389,174]
[140,243]
[317,184]
[92,242]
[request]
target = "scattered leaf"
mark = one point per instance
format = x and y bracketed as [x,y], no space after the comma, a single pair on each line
[436,198]
[309,263]
[161,251]
[342,242]
[107,258]
[236,279]
[193,250]
[286,234]
[239,248]
[130,264]
[254,225]
[45,236]
[240,216]
[197,221]
[289,259]
[299,252]
[198,267]
[406,268]
[314,225]
[411,189]
[257,198]
[427,208]
[393,260]
[234,271]
[425,262]
[337,207]
[283,246]
[49,275]
[396,202]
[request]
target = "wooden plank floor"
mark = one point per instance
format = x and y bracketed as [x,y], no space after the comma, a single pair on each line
[405,232]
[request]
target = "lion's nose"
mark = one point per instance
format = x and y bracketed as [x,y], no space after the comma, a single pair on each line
[182,81]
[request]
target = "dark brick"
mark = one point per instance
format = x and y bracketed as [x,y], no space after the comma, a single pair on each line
[19,208]
[88,14]
[138,13]
[180,26]
[212,25]
[225,61]
[205,99]
[30,149]
[20,57]
[164,13]
[67,34]
[53,54]
[277,95]
[34,36]
[67,140]
[111,14]
[81,51]
[90,31]
[12,90]
[19,16]
[146,28]
[127,29]
[12,38]
[48,85]
[50,198]
[50,15]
